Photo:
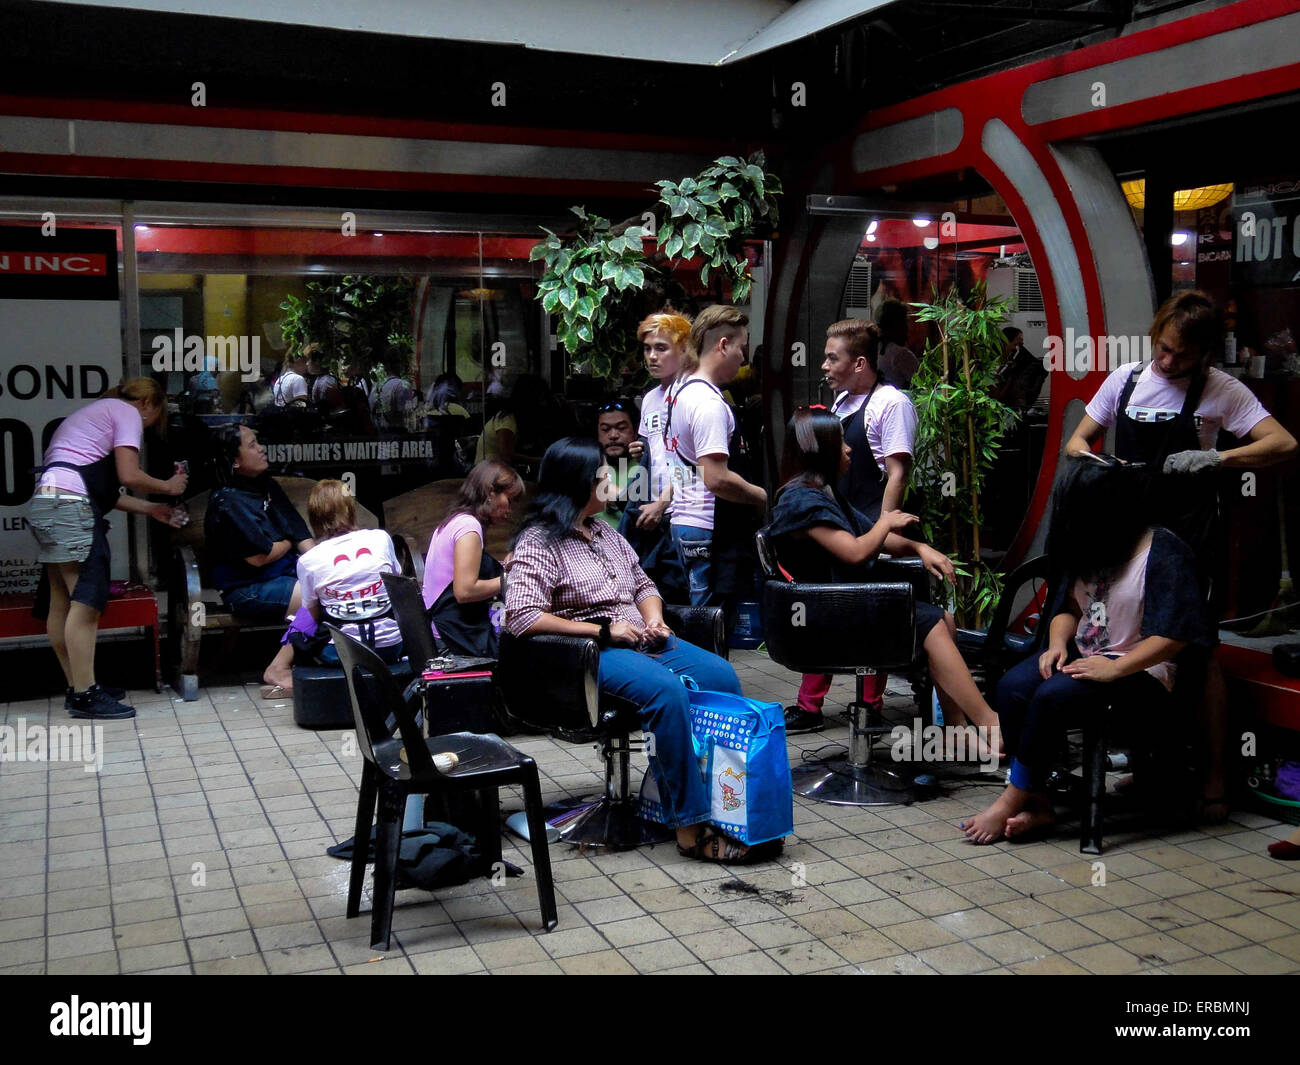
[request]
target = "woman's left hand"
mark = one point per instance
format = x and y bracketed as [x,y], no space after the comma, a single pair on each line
[938,564]
[1093,667]
[164,513]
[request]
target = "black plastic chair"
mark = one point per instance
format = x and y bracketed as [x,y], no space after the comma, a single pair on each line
[407,599]
[845,628]
[549,684]
[994,650]
[400,763]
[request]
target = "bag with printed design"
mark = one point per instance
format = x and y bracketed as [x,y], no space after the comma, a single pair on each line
[740,745]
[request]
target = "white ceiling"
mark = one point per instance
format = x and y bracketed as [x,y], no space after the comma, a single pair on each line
[702,32]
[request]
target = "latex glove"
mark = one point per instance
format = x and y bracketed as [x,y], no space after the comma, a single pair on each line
[1192,461]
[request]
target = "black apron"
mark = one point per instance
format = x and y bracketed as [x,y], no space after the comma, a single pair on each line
[864,484]
[733,569]
[467,628]
[1185,503]
[103,489]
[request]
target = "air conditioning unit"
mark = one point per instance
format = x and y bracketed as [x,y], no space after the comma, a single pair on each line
[1018,285]
[857,291]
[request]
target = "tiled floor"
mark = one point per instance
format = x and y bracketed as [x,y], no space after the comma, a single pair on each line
[200,848]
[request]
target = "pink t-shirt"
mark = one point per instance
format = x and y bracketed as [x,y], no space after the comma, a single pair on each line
[890,419]
[343,575]
[1226,403]
[88,435]
[440,562]
[702,424]
[1111,621]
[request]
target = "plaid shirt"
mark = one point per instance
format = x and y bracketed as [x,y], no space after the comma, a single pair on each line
[575,579]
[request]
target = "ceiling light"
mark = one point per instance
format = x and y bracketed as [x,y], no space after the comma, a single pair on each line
[1184,199]
[921,223]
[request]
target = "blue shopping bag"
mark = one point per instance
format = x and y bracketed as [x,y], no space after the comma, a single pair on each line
[740,744]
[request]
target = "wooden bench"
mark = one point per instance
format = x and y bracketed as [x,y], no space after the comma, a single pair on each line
[135,607]
[195,608]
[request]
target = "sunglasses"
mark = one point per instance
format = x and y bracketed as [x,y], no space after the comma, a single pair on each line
[610,408]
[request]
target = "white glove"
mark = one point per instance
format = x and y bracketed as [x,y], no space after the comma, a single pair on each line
[1192,461]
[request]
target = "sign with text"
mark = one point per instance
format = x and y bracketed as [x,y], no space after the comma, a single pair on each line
[60,348]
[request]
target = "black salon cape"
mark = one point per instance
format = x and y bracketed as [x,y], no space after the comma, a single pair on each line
[798,508]
[249,518]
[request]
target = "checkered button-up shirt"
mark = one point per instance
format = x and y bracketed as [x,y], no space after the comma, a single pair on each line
[575,578]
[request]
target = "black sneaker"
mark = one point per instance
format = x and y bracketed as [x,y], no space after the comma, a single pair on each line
[798,720]
[95,702]
[113,693]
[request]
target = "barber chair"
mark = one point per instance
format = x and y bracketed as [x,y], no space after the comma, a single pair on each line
[549,684]
[992,651]
[846,628]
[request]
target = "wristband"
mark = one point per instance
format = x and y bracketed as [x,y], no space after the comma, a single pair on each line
[603,638]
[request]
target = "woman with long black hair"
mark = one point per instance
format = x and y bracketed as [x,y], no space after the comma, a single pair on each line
[820,538]
[1128,604]
[572,574]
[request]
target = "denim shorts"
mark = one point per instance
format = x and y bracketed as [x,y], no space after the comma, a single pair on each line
[63,525]
[263,601]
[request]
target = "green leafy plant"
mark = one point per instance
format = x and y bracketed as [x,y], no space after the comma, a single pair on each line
[355,318]
[959,432]
[600,282]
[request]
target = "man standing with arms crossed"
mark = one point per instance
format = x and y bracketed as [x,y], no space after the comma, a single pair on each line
[715,510]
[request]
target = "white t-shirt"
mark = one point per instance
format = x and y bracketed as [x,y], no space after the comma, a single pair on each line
[891,420]
[654,409]
[288,387]
[846,403]
[1225,404]
[342,574]
[701,425]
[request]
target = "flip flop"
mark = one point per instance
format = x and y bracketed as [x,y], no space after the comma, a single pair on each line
[275,691]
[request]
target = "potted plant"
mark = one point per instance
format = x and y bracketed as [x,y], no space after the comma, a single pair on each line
[601,283]
[959,432]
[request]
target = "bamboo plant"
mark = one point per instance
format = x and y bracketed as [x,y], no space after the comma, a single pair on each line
[959,433]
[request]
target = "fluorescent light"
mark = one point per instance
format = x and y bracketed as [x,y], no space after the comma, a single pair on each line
[921,223]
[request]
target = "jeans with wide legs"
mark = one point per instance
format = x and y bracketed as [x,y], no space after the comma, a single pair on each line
[1035,713]
[652,683]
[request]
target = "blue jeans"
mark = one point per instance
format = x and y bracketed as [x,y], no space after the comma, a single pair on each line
[266,600]
[653,684]
[694,548]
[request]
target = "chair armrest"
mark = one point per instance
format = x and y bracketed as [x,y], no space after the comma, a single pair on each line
[549,682]
[909,568]
[838,628]
[701,625]
[412,562]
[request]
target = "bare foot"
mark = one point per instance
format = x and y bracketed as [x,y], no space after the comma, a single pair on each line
[278,678]
[1034,818]
[988,826]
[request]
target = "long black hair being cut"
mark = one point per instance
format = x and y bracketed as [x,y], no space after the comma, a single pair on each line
[813,450]
[1099,514]
[564,486]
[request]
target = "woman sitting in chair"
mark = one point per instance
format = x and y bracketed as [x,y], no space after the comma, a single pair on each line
[1133,604]
[573,575]
[460,578]
[253,533]
[340,580]
[821,538]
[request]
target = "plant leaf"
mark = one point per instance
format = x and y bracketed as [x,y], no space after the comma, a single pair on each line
[691,236]
[708,196]
[568,297]
[550,300]
[582,274]
[678,206]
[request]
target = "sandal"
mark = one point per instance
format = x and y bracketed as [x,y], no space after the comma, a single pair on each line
[713,846]
[275,691]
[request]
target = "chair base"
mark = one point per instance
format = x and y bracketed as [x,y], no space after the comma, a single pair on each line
[843,784]
[613,825]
